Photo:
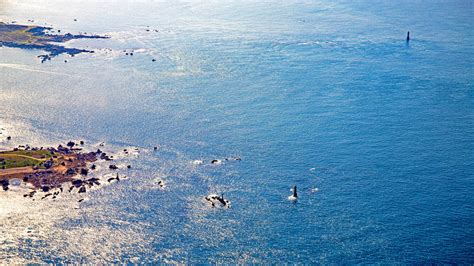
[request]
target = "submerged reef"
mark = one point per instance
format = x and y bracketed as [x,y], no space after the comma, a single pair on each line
[38,37]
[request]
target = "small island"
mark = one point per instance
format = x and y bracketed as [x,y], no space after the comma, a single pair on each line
[38,37]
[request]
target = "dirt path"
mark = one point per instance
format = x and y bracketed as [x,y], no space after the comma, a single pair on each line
[23,156]
[16,171]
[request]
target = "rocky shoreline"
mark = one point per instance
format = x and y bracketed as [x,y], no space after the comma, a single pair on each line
[39,37]
[49,169]
[41,173]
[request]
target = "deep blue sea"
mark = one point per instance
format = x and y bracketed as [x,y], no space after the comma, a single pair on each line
[376,132]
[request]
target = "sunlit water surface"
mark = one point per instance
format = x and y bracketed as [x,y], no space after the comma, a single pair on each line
[377,133]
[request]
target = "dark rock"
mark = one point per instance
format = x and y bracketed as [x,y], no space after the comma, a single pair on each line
[129,166]
[48,164]
[114,178]
[77,182]
[113,167]
[93,181]
[70,144]
[47,195]
[93,167]
[71,171]
[45,188]
[84,171]
[82,189]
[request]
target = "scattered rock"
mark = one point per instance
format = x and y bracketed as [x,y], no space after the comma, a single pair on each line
[93,181]
[70,144]
[216,199]
[47,195]
[70,171]
[161,183]
[48,164]
[77,183]
[113,178]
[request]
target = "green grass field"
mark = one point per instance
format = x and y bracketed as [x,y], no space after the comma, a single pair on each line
[22,158]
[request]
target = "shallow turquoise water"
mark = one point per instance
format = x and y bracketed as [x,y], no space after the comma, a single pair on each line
[377,133]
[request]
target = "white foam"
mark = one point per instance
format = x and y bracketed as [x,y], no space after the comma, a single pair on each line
[292,198]
[197,162]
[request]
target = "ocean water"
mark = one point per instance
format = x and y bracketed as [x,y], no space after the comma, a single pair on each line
[377,133]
